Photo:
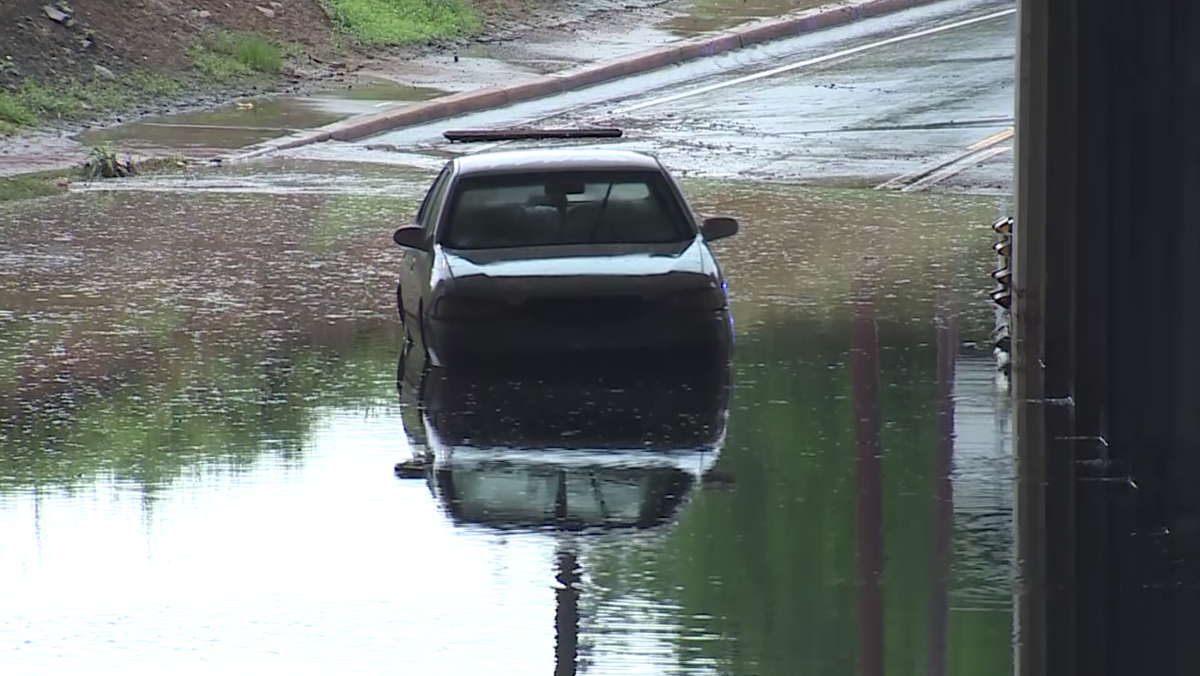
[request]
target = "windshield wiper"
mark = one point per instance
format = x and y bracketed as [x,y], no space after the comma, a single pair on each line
[600,214]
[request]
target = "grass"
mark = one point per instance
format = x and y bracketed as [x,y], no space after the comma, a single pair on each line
[33,103]
[105,163]
[221,56]
[226,55]
[29,186]
[385,23]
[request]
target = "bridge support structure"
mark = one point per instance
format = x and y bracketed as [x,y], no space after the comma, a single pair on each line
[1106,337]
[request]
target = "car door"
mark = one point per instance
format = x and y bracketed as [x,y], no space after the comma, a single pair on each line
[416,265]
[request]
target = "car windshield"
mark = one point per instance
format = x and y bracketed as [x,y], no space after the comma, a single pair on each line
[494,212]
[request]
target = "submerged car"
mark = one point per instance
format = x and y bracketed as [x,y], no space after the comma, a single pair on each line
[560,250]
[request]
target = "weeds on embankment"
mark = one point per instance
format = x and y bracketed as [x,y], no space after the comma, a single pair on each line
[29,186]
[388,23]
[32,103]
[223,59]
[222,56]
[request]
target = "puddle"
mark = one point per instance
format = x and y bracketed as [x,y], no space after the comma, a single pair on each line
[240,124]
[230,126]
[277,177]
[380,89]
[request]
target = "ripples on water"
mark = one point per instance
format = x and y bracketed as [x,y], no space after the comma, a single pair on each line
[201,413]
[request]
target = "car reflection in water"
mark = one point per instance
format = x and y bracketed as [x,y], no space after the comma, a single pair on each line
[564,448]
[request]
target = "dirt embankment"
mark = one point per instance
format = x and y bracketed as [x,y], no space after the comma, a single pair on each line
[78,60]
[50,42]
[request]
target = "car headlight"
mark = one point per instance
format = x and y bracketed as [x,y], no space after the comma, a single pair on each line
[467,307]
[711,299]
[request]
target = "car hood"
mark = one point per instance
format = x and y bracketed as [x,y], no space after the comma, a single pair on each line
[578,261]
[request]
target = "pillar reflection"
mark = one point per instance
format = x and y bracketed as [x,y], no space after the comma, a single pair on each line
[864,373]
[566,613]
[946,330]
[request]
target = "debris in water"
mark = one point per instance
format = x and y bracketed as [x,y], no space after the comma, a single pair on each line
[413,468]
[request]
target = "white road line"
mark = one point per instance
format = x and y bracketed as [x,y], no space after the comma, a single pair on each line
[812,62]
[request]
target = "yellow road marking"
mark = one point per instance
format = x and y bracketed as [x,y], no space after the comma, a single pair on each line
[991,140]
[955,168]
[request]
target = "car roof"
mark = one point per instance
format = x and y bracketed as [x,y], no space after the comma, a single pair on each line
[555,159]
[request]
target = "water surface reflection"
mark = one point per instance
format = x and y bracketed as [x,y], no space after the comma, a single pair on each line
[568,449]
[572,454]
[200,421]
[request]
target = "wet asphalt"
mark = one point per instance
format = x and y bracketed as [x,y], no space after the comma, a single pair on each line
[855,121]
[203,393]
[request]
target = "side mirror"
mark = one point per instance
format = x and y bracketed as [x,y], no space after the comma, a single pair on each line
[411,237]
[718,227]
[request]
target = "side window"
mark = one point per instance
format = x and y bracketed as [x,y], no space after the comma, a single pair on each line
[423,210]
[437,196]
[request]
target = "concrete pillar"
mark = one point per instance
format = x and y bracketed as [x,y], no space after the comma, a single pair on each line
[1106,320]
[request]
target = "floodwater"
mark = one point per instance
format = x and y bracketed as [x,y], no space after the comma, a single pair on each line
[714,15]
[901,108]
[204,395]
[242,123]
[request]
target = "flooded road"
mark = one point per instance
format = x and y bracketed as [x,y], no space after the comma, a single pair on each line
[203,398]
[852,106]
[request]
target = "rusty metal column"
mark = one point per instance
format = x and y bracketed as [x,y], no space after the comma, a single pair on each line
[1107,312]
[1152,151]
[1045,335]
[1029,602]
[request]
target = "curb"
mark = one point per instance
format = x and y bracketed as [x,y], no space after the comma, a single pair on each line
[745,35]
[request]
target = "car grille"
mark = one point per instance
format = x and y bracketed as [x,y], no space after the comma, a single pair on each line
[583,310]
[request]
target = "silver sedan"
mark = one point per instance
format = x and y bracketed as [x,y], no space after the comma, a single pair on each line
[560,251]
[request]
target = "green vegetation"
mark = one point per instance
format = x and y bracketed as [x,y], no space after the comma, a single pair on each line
[28,186]
[381,23]
[103,162]
[14,111]
[221,56]
[33,103]
[225,55]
